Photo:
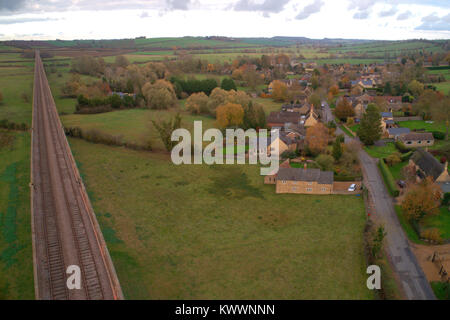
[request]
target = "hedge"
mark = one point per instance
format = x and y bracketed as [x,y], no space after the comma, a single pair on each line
[406,156]
[347,178]
[388,178]
[438,135]
[401,147]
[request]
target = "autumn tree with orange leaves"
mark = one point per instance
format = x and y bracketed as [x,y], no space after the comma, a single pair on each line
[279,91]
[422,200]
[317,138]
[229,115]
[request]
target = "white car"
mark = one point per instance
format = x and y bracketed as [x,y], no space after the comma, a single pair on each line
[352,188]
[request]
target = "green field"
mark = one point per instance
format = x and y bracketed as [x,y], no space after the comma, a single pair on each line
[15,82]
[135,124]
[199,232]
[16,257]
[443,87]
[423,125]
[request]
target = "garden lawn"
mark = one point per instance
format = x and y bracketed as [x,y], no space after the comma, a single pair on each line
[440,221]
[418,124]
[444,87]
[217,232]
[396,170]
[381,152]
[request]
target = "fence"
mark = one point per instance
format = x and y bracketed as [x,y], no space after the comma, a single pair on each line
[400,119]
[438,259]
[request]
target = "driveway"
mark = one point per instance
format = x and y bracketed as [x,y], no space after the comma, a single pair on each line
[414,283]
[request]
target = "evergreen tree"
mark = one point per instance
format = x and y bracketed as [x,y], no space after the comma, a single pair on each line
[228,84]
[337,150]
[370,128]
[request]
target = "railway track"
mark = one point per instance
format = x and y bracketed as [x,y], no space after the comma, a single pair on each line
[64,226]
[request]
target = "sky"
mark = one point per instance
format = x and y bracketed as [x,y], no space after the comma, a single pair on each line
[317,19]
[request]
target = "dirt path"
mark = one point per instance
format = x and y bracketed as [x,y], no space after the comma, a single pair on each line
[424,254]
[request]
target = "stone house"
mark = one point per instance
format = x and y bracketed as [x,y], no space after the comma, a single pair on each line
[417,139]
[426,165]
[304,181]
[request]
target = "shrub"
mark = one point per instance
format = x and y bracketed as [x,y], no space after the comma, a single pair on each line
[393,159]
[438,135]
[446,199]
[406,156]
[9,125]
[389,179]
[401,147]
[432,234]
[289,154]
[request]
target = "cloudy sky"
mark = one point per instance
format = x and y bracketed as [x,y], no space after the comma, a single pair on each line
[112,19]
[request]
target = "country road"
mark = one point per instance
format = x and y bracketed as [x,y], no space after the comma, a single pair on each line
[413,281]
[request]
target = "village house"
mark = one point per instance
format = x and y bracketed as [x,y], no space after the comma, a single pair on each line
[395,132]
[285,142]
[417,139]
[280,118]
[387,121]
[312,118]
[272,178]
[426,165]
[304,181]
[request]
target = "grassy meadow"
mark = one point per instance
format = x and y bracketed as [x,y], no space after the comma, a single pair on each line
[217,232]
[16,257]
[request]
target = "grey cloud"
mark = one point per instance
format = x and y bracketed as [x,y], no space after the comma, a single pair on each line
[310,9]
[404,15]
[24,20]
[178,4]
[11,5]
[361,15]
[434,22]
[388,13]
[266,7]
[361,5]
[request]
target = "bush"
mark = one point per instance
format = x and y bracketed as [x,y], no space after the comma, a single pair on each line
[406,156]
[401,147]
[432,234]
[438,135]
[289,154]
[389,179]
[446,199]
[9,125]
[393,159]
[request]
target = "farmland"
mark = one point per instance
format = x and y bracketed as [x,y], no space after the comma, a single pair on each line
[227,224]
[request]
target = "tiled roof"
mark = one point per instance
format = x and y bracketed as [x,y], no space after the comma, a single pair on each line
[308,175]
[283,117]
[427,163]
[414,136]
[398,131]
